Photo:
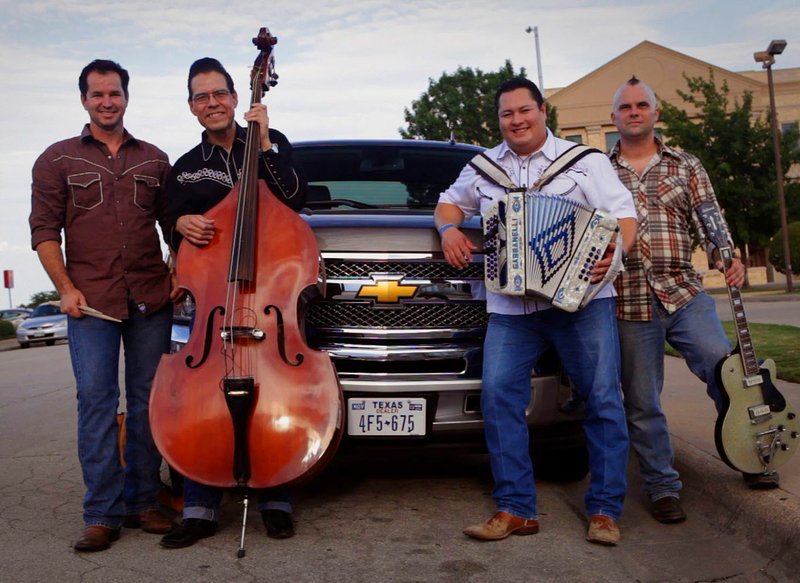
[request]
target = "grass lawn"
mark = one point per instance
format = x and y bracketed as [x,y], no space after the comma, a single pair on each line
[780,343]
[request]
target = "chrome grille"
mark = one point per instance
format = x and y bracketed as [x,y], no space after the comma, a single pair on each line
[432,271]
[347,314]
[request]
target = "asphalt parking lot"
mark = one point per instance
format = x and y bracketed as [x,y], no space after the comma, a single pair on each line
[391,516]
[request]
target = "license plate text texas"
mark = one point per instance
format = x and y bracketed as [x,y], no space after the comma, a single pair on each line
[386,416]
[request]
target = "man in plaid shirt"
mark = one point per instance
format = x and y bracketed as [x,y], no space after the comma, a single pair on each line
[661,296]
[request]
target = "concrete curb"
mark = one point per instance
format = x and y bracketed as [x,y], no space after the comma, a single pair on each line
[769,520]
[758,296]
[8,344]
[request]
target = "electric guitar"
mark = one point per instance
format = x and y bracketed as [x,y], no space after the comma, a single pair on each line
[756,430]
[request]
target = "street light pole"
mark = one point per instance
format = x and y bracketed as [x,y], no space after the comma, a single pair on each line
[535,31]
[767,58]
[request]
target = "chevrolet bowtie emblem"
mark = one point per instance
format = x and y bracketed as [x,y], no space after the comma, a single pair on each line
[387,289]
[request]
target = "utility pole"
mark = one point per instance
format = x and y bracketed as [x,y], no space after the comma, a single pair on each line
[767,59]
[535,31]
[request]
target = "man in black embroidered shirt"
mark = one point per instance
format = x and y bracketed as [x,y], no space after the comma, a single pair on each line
[199,180]
[205,175]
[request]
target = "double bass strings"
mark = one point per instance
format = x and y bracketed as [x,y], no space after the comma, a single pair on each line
[243,319]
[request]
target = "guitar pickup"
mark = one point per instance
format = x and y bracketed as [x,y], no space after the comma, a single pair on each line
[752,381]
[759,413]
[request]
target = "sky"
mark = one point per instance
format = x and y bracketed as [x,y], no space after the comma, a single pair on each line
[347,69]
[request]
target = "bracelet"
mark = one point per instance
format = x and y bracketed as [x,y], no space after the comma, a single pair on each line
[443,228]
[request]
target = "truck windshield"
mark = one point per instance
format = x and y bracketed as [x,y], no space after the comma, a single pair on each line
[399,175]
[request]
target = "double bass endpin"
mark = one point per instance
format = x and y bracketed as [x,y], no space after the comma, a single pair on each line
[240,553]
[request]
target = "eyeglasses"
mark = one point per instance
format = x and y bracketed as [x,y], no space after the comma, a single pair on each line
[203,98]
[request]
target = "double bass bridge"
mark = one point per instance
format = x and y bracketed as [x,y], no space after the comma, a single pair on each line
[232,333]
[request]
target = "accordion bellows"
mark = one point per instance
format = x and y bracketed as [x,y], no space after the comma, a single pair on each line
[543,246]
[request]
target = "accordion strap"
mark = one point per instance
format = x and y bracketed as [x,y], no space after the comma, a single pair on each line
[494,173]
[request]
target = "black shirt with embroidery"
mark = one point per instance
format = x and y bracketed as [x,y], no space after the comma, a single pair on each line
[206,174]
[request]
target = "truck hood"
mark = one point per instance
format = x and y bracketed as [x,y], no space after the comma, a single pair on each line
[382,232]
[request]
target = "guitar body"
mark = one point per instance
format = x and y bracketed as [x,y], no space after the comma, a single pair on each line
[750,419]
[757,430]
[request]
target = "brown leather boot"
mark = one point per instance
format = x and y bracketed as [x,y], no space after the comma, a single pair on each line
[603,530]
[96,538]
[153,521]
[501,525]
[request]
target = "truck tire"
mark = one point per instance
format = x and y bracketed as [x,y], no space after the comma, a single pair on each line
[566,465]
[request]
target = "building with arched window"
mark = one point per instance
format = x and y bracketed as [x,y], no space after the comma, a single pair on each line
[584,107]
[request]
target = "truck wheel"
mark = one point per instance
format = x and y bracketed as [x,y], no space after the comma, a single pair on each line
[24,344]
[566,465]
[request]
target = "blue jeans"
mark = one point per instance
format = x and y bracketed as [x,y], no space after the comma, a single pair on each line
[201,501]
[94,345]
[693,330]
[587,344]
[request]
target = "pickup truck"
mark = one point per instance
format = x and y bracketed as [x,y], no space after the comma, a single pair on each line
[404,329]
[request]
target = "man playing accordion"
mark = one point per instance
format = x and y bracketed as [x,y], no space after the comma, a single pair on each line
[522,329]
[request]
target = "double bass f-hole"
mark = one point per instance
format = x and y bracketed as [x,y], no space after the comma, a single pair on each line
[281,340]
[207,339]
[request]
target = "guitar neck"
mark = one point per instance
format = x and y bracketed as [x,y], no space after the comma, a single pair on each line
[746,349]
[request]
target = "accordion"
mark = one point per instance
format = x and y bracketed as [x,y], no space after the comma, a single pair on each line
[544,247]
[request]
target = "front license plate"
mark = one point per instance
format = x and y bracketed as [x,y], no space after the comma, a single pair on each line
[386,416]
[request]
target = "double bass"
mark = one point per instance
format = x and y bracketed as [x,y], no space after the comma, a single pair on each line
[247,403]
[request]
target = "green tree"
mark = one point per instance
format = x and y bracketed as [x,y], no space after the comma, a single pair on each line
[776,256]
[791,148]
[792,194]
[42,297]
[461,105]
[736,151]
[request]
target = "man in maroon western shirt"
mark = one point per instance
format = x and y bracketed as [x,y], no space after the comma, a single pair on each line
[105,190]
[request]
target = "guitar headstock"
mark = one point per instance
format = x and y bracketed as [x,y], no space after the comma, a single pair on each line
[715,230]
[714,226]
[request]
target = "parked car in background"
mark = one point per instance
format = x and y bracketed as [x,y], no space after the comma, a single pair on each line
[15,315]
[45,324]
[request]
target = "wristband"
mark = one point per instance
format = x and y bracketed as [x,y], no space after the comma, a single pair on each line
[443,228]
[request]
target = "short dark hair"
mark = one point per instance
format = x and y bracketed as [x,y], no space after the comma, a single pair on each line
[517,83]
[208,65]
[633,82]
[103,66]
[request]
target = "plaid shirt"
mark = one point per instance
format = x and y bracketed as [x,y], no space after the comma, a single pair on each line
[671,187]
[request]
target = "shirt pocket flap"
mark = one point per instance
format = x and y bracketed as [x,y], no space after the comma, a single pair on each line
[150,181]
[84,179]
